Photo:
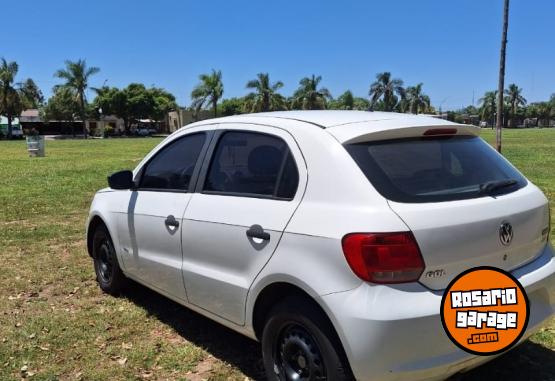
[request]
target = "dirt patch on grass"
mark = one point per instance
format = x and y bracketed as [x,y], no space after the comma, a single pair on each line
[203,370]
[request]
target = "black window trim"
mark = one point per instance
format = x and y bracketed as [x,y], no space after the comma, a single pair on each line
[210,156]
[194,177]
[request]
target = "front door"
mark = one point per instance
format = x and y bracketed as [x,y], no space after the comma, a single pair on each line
[245,197]
[151,250]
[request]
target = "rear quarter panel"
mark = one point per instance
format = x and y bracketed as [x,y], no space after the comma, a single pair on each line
[338,200]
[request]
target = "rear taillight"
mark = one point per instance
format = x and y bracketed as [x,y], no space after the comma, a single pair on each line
[384,257]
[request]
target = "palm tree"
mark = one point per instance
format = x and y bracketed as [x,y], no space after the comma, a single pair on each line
[265,97]
[308,96]
[487,107]
[386,89]
[76,76]
[208,91]
[416,100]
[515,99]
[10,100]
[30,93]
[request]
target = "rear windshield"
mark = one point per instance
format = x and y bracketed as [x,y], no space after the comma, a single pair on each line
[435,169]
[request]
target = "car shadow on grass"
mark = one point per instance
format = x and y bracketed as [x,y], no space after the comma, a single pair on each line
[530,361]
[221,342]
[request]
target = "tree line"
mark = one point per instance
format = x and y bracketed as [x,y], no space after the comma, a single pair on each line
[385,94]
[69,102]
[516,109]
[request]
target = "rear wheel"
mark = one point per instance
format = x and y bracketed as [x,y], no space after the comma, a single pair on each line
[298,343]
[109,276]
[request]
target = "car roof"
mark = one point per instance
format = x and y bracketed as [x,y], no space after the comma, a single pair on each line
[346,125]
[333,118]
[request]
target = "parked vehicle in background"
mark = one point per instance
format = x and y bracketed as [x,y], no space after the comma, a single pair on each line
[145,131]
[316,232]
[17,131]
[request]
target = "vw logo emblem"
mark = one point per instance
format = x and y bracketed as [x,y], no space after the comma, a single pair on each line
[506,233]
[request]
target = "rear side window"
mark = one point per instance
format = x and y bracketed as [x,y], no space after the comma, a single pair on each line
[251,163]
[172,167]
[289,178]
[435,169]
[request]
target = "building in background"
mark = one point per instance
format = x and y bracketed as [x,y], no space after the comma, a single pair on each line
[32,120]
[111,123]
[182,116]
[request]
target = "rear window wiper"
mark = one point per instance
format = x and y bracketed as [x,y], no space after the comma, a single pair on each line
[491,186]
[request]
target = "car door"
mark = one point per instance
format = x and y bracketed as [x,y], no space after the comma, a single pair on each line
[151,249]
[246,194]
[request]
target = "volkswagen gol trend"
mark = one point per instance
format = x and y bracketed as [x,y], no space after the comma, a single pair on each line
[271,223]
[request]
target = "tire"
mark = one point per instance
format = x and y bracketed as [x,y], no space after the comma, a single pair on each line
[299,343]
[109,276]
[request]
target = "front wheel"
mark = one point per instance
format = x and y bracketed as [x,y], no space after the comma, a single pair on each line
[109,276]
[299,343]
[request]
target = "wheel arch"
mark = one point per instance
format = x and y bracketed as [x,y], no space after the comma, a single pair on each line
[274,292]
[277,291]
[94,222]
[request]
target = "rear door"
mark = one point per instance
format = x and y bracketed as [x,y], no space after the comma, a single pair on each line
[466,205]
[246,195]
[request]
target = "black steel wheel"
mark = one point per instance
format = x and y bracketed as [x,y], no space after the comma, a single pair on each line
[105,261]
[298,356]
[300,344]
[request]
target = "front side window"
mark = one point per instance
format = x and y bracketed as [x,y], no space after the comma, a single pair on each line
[435,169]
[250,163]
[172,167]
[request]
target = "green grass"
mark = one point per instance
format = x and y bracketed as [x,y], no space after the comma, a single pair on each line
[56,324]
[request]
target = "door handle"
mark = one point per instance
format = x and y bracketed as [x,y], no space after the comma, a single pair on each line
[171,221]
[256,231]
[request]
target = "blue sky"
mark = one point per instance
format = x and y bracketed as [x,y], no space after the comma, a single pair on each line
[451,46]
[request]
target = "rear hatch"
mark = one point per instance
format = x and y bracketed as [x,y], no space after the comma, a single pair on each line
[465,204]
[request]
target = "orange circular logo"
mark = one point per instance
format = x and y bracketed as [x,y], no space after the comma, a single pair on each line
[484,310]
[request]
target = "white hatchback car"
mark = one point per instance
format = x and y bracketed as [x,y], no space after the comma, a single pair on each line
[327,235]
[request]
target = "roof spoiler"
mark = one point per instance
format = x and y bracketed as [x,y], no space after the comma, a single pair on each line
[363,132]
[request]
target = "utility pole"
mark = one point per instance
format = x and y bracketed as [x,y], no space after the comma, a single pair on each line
[440,106]
[501,87]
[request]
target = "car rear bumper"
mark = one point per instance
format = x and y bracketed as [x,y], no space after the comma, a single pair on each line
[395,332]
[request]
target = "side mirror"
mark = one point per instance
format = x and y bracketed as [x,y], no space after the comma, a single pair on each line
[121,180]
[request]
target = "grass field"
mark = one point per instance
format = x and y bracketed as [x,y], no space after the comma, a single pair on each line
[56,324]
